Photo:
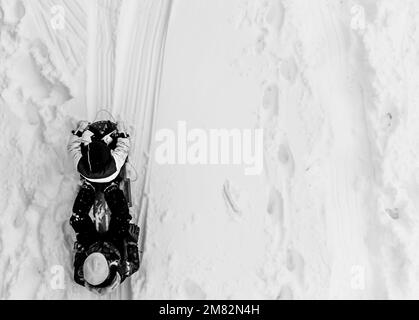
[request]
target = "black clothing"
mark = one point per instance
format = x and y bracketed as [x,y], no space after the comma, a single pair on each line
[119,244]
[97,161]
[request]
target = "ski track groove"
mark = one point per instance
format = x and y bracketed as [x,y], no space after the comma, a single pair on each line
[146,75]
[345,165]
[342,202]
[134,66]
[102,61]
[345,210]
[142,74]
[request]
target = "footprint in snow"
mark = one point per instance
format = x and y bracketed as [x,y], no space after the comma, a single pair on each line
[295,264]
[289,69]
[276,209]
[286,293]
[276,203]
[193,291]
[393,213]
[275,16]
[12,13]
[286,158]
[261,42]
[270,104]
[19,11]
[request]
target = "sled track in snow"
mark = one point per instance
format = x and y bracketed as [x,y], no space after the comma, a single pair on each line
[137,87]
[124,78]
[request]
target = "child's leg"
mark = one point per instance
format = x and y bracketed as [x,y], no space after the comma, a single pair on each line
[120,216]
[80,220]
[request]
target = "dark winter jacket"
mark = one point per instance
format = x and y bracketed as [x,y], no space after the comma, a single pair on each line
[78,149]
[121,253]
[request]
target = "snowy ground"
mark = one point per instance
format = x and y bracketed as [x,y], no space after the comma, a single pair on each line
[332,83]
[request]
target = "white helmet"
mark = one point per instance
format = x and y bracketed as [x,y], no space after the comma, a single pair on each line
[95,269]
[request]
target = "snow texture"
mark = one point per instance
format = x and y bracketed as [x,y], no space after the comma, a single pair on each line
[333,85]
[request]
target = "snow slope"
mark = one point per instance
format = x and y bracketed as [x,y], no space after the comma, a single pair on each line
[332,83]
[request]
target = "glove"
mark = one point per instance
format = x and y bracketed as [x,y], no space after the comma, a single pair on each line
[81,127]
[87,137]
[124,135]
[107,139]
[122,130]
[121,126]
[130,258]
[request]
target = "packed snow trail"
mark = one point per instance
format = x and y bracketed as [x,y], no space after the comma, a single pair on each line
[124,71]
[348,169]
[320,153]
[140,56]
[103,18]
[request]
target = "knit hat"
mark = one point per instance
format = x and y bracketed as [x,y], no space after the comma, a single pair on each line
[95,269]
